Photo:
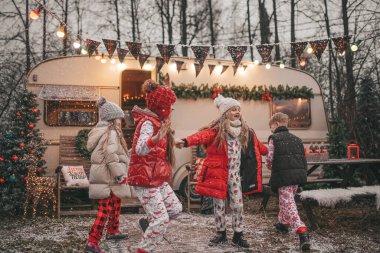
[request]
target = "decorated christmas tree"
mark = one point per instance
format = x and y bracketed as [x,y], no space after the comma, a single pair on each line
[16,144]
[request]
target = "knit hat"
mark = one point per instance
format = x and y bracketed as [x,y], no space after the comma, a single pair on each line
[224,104]
[108,110]
[159,98]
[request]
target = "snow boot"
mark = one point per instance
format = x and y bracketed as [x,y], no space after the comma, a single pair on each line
[144,224]
[117,236]
[282,228]
[304,241]
[93,248]
[221,237]
[238,240]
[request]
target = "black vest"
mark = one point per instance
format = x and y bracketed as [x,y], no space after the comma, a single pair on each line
[289,165]
[248,166]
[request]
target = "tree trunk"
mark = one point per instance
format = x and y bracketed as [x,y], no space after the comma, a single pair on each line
[276,40]
[44,32]
[133,21]
[27,43]
[292,32]
[117,19]
[264,23]
[184,26]
[211,27]
[249,30]
[66,13]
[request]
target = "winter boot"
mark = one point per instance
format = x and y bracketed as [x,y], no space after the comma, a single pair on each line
[238,240]
[144,224]
[304,241]
[282,228]
[93,248]
[221,237]
[117,236]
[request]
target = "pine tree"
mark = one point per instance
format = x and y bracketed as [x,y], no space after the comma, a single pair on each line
[16,144]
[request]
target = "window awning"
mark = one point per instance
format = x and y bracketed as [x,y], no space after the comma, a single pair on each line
[68,92]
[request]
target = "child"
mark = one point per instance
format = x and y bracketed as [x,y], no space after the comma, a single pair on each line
[151,164]
[226,140]
[287,162]
[109,161]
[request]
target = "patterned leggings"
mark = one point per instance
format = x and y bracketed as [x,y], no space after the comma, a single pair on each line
[159,204]
[108,208]
[288,209]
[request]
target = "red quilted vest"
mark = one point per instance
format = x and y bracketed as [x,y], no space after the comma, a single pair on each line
[153,169]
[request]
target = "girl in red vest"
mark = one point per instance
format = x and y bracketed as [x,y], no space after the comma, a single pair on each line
[228,140]
[152,158]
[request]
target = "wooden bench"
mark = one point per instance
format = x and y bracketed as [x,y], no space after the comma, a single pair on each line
[69,156]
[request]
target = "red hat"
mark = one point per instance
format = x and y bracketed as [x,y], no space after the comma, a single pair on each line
[160,98]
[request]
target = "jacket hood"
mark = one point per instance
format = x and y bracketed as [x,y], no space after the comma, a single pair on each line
[139,114]
[95,134]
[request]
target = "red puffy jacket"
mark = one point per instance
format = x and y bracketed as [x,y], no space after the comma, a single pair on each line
[153,169]
[213,179]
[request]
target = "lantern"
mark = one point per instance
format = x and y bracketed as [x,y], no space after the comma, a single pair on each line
[353,151]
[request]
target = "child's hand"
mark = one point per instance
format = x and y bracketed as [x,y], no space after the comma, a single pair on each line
[269,165]
[165,127]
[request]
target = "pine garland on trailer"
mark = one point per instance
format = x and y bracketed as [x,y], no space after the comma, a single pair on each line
[81,142]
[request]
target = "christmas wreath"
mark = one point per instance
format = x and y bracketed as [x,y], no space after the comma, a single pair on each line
[81,143]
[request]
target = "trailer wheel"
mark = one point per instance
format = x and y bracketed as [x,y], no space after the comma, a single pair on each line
[184,192]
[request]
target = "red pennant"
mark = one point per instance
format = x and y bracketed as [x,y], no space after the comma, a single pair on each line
[142,59]
[159,63]
[200,53]
[110,46]
[198,68]
[225,67]
[211,67]
[265,51]
[91,46]
[179,65]
[121,53]
[298,48]
[237,53]
[134,48]
[341,43]
[166,51]
[318,47]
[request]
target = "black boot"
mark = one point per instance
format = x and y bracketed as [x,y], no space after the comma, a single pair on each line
[221,237]
[143,224]
[282,228]
[304,241]
[238,240]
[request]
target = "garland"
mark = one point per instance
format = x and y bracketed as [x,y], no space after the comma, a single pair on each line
[81,143]
[260,92]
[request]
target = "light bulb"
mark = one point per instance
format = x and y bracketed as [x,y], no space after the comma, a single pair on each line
[121,66]
[256,62]
[354,48]
[113,61]
[103,60]
[76,44]
[173,66]
[342,54]
[309,50]
[97,56]
[34,14]
[302,63]
[148,66]
[83,51]
[282,65]
[61,31]
[268,66]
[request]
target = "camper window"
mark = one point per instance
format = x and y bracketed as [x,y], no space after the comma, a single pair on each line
[297,109]
[70,113]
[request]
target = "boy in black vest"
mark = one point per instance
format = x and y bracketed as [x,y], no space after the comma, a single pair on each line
[286,160]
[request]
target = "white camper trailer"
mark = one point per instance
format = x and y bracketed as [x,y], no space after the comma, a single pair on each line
[67,88]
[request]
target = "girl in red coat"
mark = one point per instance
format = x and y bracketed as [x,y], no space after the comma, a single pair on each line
[226,140]
[150,168]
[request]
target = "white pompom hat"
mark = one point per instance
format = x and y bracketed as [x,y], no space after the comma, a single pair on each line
[224,104]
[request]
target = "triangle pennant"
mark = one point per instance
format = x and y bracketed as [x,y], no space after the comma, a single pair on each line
[341,43]
[211,67]
[200,53]
[91,46]
[245,67]
[225,67]
[159,63]
[265,51]
[318,47]
[110,46]
[134,48]
[142,59]
[121,53]
[179,65]
[235,69]
[237,53]
[298,48]
[166,51]
[198,68]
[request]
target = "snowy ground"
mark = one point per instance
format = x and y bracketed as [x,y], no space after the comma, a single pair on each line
[342,230]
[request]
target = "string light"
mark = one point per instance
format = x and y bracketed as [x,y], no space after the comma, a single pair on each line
[97,56]
[302,63]
[218,69]
[309,50]
[76,44]
[121,66]
[148,66]
[342,54]
[268,66]
[113,61]
[256,62]
[35,14]
[354,48]
[103,60]
[61,31]
[173,66]
[83,51]
[282,65]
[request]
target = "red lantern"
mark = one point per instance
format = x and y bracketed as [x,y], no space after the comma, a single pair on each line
[31,125]
[2,180]
[14,157]
[353,151]
[21,145]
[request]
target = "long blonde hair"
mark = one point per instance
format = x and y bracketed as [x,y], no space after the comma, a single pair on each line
[222,124]
[115,125]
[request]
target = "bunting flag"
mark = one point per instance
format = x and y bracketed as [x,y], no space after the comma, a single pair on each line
[91,46]
[110,46]
[318,47]
[159,63]
[211,67]
[198,68]
[121,53]
[298,48]
[265,51]
[225,67]
[142,59]
[235,69]
[341,43]
[245,67]
[134,48]
[200,53]
[166,51]
[237,53]
[179,65]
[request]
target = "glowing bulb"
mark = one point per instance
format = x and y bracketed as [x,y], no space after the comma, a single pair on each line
[302,63]
[267,66]
[113,61]
[256,62]
[61,31]
[76,44]
[173,66]
[251,65]
[342,54]
[282,65]
[97,56]
[83,51]
[34,14]
[103,60]
[148,66]
[121,66]
[354,48]
[310,50]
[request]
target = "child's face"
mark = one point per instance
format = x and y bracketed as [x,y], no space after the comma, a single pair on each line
[234,113]
[273,126]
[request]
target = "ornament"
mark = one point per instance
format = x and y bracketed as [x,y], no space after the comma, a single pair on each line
[22,133]
[26,178]
[35,110]
[15,158]
[12,178]
[21,145]
[40,170]
[217,90]
[1,159]
[31,125]
[2,180]
[18,114]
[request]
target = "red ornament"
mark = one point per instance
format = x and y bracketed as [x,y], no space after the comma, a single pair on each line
[353,151]
[268,97]
[21,145]
[26,178]
[31,125]
[34,110]
[40,170]
[22,133]
[1,159]
[18,114]
[217,91]
[14,157]
[2,180]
